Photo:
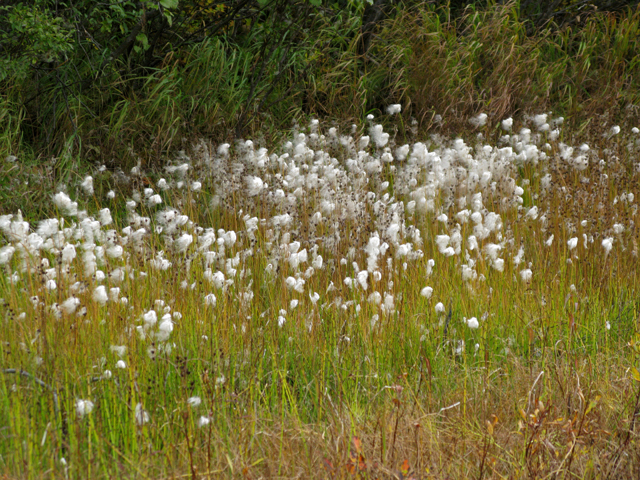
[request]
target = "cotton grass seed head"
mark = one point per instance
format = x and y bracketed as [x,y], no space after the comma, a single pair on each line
[83,407]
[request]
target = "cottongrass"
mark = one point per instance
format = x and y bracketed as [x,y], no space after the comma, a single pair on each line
[289,284]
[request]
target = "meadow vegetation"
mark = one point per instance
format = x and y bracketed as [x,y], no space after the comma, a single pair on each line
[432,274]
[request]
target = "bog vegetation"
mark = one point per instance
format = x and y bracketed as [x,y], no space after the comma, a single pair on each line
[269,239]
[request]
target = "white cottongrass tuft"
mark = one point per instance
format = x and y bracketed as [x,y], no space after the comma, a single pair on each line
[254,185]
[87,185]
[83,407]
[104,216]
[379,137]
[607,244]
[526,275]
[572,243]
[549,241]
[210,300]
[100,295]
[479,121]
[194,401]
[473,323]
[64,203]
[426,292]
[507,124]
[142,416]
[440,307]
[70,305]
[394,108]
[182,243]
[6,253]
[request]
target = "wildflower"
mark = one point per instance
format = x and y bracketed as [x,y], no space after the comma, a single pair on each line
[121,364]
[607,244]
[69,305]
[526,275]
[68,253]
[572,243]
[210,299]
[426,292]
[549,241]
[442,241]
[6,253]
[472,323]
[115,251]
[119,350]
[314,297]
[479,120]
[165,328]
[492,250]
[182,243]
[87,185]
[540,120]
[83,407]
[254,185]
[64,203]
[203,421]
[394,108]
[379,137]
[362,279]
[150,318]
[100,295]
[194,401]
[507,124]
[154,200]
[142,416]
[440,307]
[532,213]
[430,264]
[104,216]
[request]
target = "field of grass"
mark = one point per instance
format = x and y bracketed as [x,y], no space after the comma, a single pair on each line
[339,306]
[445,287]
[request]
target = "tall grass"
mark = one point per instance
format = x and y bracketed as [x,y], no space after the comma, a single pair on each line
[487,61]
[344,386]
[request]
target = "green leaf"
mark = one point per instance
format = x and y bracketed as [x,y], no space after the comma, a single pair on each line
[635,374]
[142,38]
[169,3]
[315,3]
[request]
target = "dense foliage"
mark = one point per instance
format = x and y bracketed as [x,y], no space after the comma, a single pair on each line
[81,76]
